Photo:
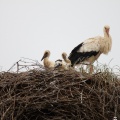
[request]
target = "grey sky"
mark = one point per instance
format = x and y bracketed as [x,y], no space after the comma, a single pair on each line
[29,27]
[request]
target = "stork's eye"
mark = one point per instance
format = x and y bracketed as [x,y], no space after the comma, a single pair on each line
[46,53]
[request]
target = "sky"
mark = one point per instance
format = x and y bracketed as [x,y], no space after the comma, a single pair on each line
[29,27]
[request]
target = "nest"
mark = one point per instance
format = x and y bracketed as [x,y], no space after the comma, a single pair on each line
[59,95]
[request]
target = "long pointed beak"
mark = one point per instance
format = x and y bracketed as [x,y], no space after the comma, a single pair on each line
[43,57]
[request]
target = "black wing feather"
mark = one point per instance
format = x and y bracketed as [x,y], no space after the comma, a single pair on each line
[77,57]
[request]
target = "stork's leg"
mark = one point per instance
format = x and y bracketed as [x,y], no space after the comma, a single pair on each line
[81,68]
[90,68]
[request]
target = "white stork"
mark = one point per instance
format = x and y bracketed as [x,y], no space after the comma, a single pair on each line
[89,50]
[47,63]
[64,64]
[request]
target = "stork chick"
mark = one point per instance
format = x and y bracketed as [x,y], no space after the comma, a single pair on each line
[63,64]
[90,50]
[60,64]
[47,63]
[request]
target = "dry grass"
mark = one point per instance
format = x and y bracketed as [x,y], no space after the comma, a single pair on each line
[59,95]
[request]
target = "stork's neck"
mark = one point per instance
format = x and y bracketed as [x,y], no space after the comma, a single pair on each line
[66,59]
[46,60]
[107,42]
[106,34]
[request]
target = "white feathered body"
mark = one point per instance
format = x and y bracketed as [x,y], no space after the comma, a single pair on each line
[48,63]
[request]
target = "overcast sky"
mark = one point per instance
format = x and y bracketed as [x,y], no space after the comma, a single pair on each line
[29,27]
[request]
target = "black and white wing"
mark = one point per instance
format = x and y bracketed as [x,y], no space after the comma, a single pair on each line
[85,50]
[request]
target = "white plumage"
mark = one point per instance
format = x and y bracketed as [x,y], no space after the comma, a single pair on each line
[91,44]
[89,50]
[47,63]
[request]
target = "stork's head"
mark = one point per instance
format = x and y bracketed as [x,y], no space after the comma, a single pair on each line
[58,63]
[64,55]
[46,54]
[106,29]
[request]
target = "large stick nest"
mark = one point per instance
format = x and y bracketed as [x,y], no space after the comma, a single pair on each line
[58,95]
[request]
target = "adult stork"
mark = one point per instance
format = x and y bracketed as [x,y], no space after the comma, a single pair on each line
[90,50]
[64,64]
[47,63]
